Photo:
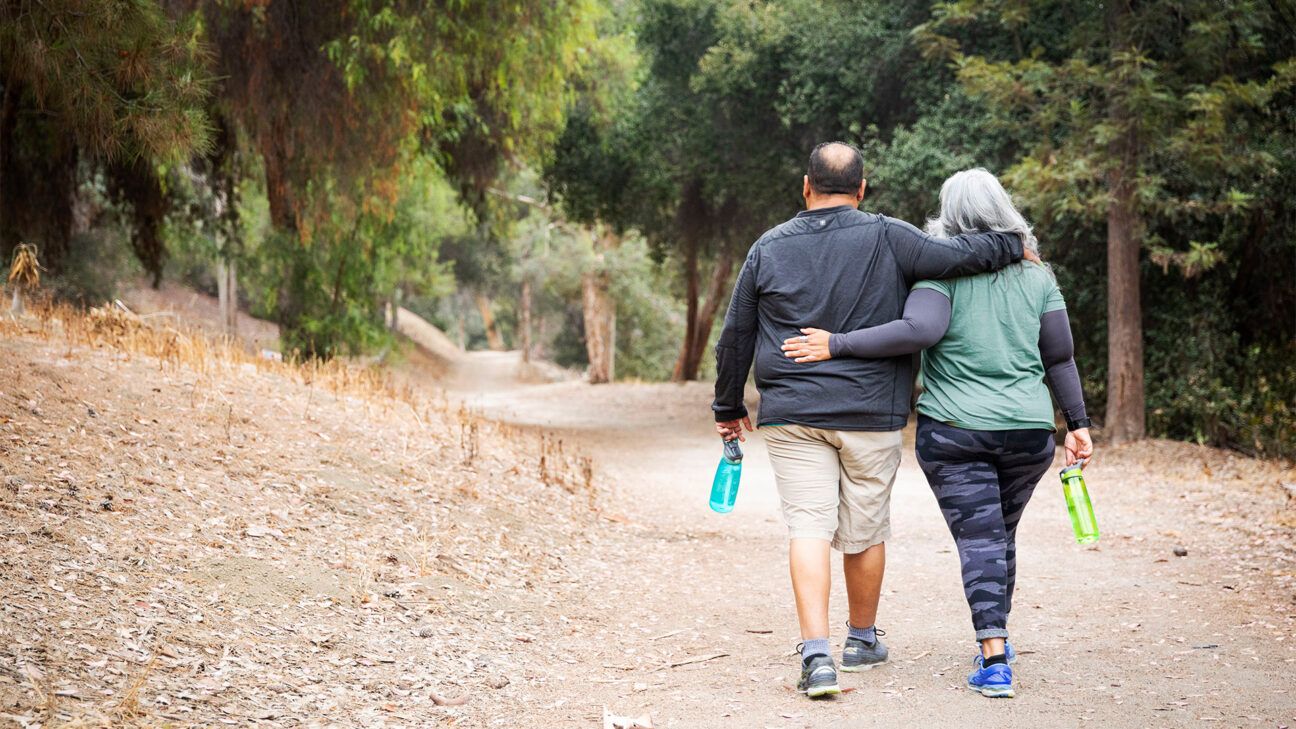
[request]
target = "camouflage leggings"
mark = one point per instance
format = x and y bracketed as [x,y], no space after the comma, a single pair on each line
[982,480]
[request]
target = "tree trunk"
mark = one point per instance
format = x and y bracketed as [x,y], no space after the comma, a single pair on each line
[227,294]
[493,338]
[524,321]
[1126,407]
[291,303]
[716,291]
[394,304]
[135,182]
[8,124]
[699,321]
[682,372]
[228,235]
[599,310]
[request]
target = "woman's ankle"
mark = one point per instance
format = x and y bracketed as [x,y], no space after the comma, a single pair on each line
[992,647]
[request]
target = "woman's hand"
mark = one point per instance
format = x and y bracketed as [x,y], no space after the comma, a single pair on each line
[811,346]
[1078,446]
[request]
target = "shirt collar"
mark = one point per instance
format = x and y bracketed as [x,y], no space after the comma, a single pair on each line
[823,211]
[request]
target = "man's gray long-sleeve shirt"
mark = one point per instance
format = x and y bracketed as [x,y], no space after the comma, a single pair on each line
[838,269]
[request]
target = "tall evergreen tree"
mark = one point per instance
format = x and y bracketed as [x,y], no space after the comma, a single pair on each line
[85,84]
[1133,113]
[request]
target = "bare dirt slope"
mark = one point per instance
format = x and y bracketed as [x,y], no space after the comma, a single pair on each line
[205,543]
[201,544]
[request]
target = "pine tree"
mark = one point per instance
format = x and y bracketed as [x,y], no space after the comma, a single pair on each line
[116,83]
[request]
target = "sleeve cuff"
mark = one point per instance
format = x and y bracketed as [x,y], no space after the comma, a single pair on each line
[1082,422]
[724,416]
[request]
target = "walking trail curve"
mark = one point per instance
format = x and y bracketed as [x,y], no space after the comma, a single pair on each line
[688,614]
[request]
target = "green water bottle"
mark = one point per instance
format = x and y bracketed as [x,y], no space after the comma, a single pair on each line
[1079,506]
[724,489]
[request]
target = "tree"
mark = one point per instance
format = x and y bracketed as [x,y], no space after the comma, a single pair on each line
[679,165]
[93,84]
[595,175]
[336,102]
[1126,112]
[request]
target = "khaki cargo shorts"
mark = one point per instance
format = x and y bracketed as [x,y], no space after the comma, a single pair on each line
[835,484]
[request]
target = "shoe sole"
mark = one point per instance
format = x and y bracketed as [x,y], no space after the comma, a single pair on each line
[860,667]
[993,692]
[815,692]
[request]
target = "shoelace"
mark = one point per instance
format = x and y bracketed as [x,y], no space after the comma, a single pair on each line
[876,632]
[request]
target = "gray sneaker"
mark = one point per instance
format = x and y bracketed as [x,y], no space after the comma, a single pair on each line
[818,677]
[858,655]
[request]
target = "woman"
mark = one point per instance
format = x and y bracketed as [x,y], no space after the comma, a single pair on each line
[985,422]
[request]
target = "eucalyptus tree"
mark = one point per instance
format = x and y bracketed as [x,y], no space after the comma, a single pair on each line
[337,100]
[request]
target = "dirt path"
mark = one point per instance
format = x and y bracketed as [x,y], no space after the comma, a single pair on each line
[196,540]
[1123,634]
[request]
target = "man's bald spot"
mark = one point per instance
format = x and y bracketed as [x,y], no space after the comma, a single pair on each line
[836,168]
[837,156]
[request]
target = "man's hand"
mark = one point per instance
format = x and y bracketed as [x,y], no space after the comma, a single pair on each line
[1029,255]
[811,346]
[731,429]
[1078,446]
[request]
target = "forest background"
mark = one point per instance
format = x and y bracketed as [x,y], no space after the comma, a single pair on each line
[581,179]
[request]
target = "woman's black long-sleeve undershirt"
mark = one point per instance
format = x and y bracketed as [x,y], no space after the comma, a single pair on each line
[926,319]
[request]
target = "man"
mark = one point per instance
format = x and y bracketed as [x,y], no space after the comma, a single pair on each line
[834,426]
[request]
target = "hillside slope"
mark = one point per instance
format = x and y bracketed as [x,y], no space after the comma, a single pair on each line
[205,542]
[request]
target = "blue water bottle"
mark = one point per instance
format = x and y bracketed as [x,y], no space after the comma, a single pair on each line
[724,489]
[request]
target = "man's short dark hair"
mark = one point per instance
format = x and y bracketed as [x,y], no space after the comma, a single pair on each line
[836,168]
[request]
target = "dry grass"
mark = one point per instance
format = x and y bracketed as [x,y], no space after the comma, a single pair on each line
[173,346]
[129,709]
[25,270]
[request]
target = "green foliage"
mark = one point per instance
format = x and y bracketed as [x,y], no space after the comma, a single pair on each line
[338,103]
[1206,385]
[354,268]
[376,150]
[907,170]
[89,85]
[650,320]
[1204,90]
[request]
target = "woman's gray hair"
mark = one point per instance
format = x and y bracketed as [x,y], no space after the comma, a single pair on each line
[974,201]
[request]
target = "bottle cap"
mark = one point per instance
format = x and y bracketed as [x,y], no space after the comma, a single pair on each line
[1073,469]
[732,451]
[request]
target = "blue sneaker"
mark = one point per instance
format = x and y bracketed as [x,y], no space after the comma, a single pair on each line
[994,681]
[1008,652]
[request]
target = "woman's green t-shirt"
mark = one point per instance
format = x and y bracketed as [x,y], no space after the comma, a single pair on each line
[986,372]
